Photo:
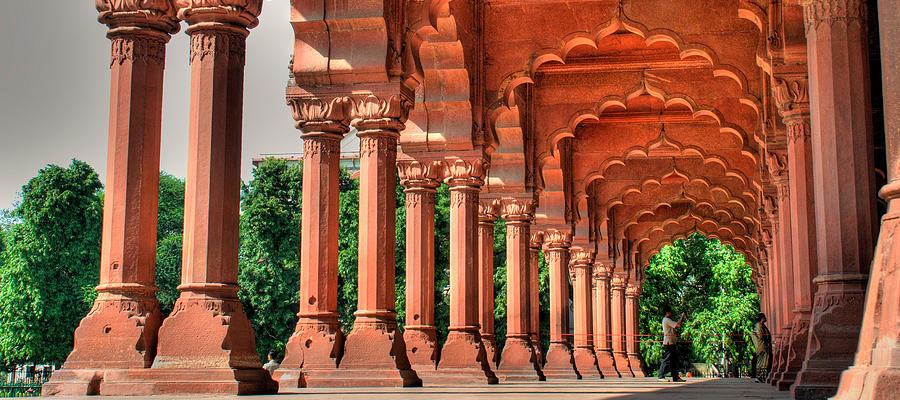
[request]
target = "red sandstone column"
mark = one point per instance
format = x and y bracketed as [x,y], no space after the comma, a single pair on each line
[603,337]
[632,341]
[317,341]
[120,331]
[487,216]
[534,307]
[791,92]
[518,360]
[463,357]
[777,164]
[375,353]
[207,343]
[875,373]
[842,151]
[420,180]
[617,307]
[581,269]
[771,210]
[560,363]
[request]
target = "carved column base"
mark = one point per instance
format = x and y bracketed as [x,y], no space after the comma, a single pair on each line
[490,349]
[118,333]
[421,348]
[636,365]
[606,363]
[622,366]
[518,361]
[205,346]
[834,335]
[536,343]
[374,355]
[316,346]
[782,355]
[778,356]
[796,350]
[878,381]
[560,362]
[463,361]
[586,363]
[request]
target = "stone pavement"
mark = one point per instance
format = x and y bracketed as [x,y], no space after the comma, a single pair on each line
[619,389]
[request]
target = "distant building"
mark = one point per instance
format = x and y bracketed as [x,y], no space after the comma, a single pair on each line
[349,155]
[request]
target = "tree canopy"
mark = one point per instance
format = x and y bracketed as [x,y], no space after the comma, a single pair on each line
[712,283]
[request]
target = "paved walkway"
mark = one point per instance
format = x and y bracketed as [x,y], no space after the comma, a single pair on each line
[619,389]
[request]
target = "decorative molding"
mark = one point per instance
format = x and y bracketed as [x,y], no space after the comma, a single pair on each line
[602,271]
[798,129]
[458,198]
[137,49]
[382,146]
[580,257]
[791,93]
[536,239]
[815,12]
[618,282]
[157,14]
[633,290]
[320,149]
[777,164]
[487,211]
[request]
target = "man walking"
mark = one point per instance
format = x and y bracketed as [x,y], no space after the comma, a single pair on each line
[670,340]
[762,343]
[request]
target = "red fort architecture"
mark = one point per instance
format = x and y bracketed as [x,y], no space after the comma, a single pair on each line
[597,130]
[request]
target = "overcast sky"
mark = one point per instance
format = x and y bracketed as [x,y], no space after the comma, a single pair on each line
[54,90]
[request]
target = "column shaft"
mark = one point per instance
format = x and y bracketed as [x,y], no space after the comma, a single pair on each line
[560,363]
[603,337]
[581,267]
[486,219]
[875,373]
[787,275]
[534,307]
[632,318]
[842,159]
[317,341]
[617,312]
[464,358]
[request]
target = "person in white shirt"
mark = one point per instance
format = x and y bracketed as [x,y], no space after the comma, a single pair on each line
[670,340]
[273,363]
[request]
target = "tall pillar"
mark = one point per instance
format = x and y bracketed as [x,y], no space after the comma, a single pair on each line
[617,312]
[560,363]
[581,270]
[603,336]
[420,180]
[777,297]
[374,352]
[842,159]
[534,306]
[487,216]
[121,329]
[791,93]
[463,357]
[875,373]
[317,341]
[632,341]
[518,362]
[207,345]
[778,167]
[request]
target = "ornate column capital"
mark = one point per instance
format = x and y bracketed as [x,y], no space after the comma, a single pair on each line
[816,12]
[465,171]
[771,208]
[316,116]
[602,270]
[385,112]
[416,174]
[517,209]
[241,13]
[633,290]
[537,238]
[791,92]
[777,164]
[154,14]
[618,282]
[581,258]
[557,240]
[487,210]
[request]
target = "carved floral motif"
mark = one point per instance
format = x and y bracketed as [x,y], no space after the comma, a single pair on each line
[318,149]
[315,115]
[581,257]
[157,13]
[240,12]
[465,172]
[383,146]
[777,164]
[419,174]
[602,271]
[374,112]
[791,93]
[816,12]
[537,237]
[137,49]
[517,209]
[556,239]
[632,290]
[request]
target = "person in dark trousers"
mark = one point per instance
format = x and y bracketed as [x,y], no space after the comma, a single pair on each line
[670,351]
[762,344]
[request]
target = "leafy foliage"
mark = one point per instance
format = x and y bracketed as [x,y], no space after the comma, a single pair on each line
[712,283]
[49,266]
[170,225]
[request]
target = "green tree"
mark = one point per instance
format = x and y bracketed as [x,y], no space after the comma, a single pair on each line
[50,264]
[712,283]
[169,234]
[269,272]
